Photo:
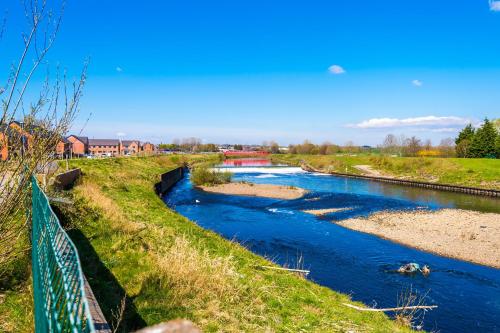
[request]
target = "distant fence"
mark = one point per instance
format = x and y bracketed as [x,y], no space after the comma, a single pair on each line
[427,185]
[60,300]
[168,180]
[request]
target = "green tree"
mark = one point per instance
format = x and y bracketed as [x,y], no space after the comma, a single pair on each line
[463,141]
[483,143]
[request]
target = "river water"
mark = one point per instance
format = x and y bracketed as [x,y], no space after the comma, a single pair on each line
[362,265]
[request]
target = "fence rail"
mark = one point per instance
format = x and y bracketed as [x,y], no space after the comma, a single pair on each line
[61,303]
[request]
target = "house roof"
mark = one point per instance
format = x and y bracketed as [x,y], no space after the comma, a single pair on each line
[104,142]
[127,143]
[82,139]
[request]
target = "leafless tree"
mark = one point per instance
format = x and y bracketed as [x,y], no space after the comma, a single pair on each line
[447,147]
[411,146]
[30,130]
[428,144]
[391,144]
[274,147]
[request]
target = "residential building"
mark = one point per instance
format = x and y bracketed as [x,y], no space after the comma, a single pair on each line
[130,147]
[148,148]
[79,145]
[63,148]
[100,147]
[13,137]
[4,144]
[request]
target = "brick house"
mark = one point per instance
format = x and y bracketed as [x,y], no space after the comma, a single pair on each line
[130,147]
[101,147]
[4,144]
[63,148]
[79,145]
[13,137]
[148,148]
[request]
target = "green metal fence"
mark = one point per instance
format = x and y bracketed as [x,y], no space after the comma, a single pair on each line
[58,285]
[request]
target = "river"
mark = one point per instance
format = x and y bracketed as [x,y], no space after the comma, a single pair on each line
[362,265]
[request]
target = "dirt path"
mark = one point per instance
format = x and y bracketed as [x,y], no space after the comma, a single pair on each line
[461,234]
[368,170]
[257,190]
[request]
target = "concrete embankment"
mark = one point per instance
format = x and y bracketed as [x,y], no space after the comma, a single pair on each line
[168,180]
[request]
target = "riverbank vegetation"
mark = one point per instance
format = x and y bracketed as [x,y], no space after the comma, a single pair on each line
[203,175]
[482,173]
[164,266]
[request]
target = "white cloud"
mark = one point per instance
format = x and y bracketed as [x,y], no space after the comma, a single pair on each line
[336,69]
[417,83]
[412,122]
[495,5]
[120,134]
[444,130]
[119,69]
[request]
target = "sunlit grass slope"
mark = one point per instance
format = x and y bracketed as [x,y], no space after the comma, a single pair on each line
[164,266]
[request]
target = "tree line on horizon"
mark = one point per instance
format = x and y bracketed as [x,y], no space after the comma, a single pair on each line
[483,142]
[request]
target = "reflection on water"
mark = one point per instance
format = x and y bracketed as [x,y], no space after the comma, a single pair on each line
[468,295]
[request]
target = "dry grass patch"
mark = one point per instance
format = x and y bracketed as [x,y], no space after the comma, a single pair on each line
[194,272]
[98,200]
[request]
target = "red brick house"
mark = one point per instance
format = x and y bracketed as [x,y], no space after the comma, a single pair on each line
[63,148]
[104,147]
[4,144]
[130,147]
[79,145]
[148,148]
[13,136]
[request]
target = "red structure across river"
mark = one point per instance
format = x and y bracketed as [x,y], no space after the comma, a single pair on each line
[238,153]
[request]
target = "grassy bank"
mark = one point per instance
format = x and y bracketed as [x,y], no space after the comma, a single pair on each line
[16,303]
[482,173]
[164,266]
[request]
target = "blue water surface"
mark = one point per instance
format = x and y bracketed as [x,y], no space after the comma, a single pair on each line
[362,265]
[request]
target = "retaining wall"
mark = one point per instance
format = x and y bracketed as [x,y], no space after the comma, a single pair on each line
[168,180]
[66,180]
[433,186]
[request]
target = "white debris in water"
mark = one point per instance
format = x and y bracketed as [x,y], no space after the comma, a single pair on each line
[197,201]
[283,211]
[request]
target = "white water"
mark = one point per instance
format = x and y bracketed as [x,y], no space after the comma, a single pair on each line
[265,170]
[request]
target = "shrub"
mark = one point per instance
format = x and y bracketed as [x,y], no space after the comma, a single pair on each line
[205,176]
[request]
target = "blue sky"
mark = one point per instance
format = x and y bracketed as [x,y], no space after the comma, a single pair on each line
[249,71]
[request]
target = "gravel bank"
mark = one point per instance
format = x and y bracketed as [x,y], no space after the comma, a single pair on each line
[461,234]
[258,190]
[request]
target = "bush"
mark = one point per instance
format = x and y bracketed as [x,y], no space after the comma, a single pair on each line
[204,176]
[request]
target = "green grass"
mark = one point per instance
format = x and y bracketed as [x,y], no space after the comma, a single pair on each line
[164,266]
[482,173]
[16,300]
[204,176]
